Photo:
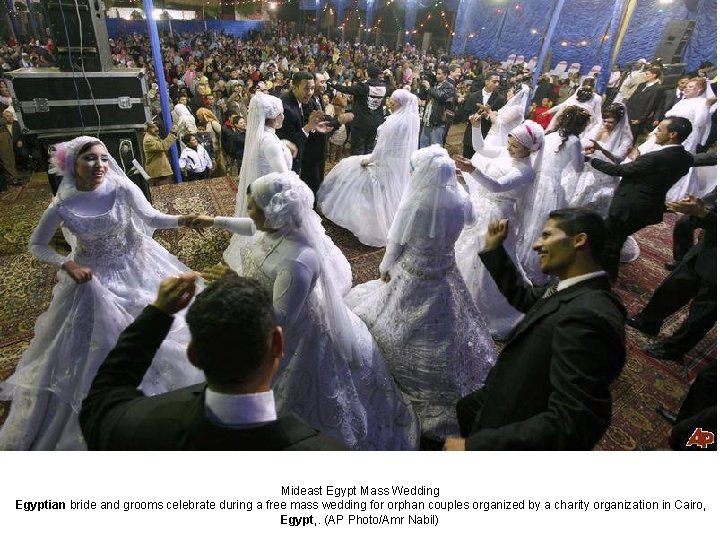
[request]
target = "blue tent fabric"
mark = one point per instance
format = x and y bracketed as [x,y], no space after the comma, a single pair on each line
[484,27]
[118,27]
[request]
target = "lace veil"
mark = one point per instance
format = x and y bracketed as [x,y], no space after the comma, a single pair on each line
[62,163]
[401,126]
[287,203]
[432,198]
[262,106]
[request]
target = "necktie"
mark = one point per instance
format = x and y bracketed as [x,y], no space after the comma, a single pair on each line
[550,291]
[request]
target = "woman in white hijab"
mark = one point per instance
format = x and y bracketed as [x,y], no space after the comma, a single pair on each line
[332,374]
[110,276]
[498,178]
[508,117]
[264,153]
[362,193]
[434,339]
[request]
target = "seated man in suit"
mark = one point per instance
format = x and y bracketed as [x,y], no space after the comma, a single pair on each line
[235,341]
[550,387]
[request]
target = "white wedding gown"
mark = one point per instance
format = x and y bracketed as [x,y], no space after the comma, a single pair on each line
[559,170]
[273,156]
[432,336]
[355,402]
[364,200]
[83,321]
[497,190]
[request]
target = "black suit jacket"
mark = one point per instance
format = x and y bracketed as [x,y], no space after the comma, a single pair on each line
[640,195]
[470,106]
[671,99]
[292,128]
[646,104]
[115,415]
[703,255]
[549,389]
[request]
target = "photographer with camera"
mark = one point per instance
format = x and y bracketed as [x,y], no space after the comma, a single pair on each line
[439,104]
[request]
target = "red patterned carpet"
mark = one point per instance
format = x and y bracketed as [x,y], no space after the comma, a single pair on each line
[644,384]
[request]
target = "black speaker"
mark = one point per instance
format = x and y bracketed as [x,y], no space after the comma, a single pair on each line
[78,29]
[675,38]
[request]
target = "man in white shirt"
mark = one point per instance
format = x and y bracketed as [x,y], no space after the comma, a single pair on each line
[550,387]
[234,341]
[194,159]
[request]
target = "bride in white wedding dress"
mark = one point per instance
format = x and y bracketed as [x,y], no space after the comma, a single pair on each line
[332,374]
[432,336]
[112,273]
[362,193]
[499,178]
[264,153]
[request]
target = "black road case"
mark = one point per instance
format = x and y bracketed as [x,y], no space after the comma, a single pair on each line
[48,101]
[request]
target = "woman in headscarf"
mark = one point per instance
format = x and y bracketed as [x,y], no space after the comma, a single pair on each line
[432,336]
[332,374]
[611,138]
[561,161]
[111,275]
[498,179]
[264,153]
[362,193]
[507,117]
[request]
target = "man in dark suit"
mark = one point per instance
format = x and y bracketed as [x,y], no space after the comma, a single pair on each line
[646,104]
[312,170]
[234,341]
[487,99]
[694,281]
[676,94]
[639,199]
[297,126]
[549,389]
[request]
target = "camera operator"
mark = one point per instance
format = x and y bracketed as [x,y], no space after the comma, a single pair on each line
[439,104]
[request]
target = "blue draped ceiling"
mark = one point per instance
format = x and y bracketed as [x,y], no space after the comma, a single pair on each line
[487,27]
[501,27]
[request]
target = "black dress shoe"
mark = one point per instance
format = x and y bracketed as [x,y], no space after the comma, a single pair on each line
[638,324]
[657,350]
[671,265]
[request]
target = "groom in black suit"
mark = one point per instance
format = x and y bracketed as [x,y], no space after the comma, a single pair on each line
[550,387]
[639,199]
[234,341]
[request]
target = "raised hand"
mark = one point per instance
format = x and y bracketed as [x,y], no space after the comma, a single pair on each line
[78,273]
[176,292]
[476,120]
[496,234]
[463,163]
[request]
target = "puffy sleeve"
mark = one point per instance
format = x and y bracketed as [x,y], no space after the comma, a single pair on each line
[149,215]
[294,280]
[40,238]
[243,226]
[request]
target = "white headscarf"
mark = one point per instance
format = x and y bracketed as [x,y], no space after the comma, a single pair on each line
[287,203]
[262,107]
[432,200]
